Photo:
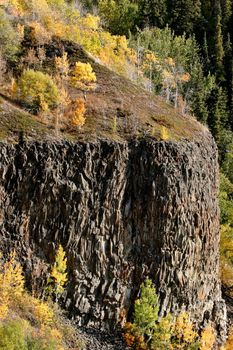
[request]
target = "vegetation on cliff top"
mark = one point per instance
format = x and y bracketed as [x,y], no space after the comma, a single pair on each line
[114,107]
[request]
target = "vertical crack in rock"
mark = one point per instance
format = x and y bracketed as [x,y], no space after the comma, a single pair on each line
[122,211]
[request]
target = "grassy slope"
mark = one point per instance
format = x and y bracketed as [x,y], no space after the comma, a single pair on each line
[116,101]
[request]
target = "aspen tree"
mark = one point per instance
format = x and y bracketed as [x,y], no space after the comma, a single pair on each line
[58,275]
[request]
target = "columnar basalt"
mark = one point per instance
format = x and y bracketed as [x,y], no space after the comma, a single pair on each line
[122,211]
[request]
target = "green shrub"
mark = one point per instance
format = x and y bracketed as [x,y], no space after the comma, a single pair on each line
[9,38]
[41,344]
[37,90]
[12,336]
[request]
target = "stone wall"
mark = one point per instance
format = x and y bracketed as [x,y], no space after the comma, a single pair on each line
[122,211]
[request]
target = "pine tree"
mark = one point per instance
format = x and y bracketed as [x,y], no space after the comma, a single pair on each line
[201,87]
[152,13]
[226,6]
[206,54]
[146,309]
[219,51]
[185,15]
[218,113]
[228,65]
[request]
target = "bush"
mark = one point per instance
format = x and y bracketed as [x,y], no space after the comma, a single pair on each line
[27,323]
[38,91]
[12,336]
[9,38]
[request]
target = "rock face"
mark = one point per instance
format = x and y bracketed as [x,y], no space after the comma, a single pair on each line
[122,211]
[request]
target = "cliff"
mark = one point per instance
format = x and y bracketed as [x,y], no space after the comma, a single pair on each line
[122,211]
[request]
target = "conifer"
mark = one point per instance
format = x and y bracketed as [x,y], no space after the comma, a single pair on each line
[219,51]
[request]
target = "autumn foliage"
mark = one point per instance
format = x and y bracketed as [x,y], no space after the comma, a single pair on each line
[78,111]
[83,77]
[37,90]
[148,332]
[58,274]
[28,323]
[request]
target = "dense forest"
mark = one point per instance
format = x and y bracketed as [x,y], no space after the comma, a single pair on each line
[181,50]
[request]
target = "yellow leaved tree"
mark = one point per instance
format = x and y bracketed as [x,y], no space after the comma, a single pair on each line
[207,338]
[77,114]
[58,275]
[83,77]
[11,284]
[184,334]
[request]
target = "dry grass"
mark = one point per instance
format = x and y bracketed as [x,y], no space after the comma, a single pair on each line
[118,109]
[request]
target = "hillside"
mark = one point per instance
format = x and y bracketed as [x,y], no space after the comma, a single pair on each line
[118,109]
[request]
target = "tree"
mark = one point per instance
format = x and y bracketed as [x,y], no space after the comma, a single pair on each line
[31,58]
[184,336]
[77,112]
[185,15]
[37,90]
[11,283]
[149,333]
[83,77]
[219,51]
[146,309]
[152,13]
[226,6]
[206,54]
[119,16]
[58,275]
[218,114]
[201,87]
[228,65]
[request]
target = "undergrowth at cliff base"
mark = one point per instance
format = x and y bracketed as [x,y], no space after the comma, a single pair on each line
[28,323]
[148,332]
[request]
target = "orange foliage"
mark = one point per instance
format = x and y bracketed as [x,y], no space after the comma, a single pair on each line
[78,111]
[133,338]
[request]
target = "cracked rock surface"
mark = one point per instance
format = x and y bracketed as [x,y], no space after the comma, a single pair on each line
[122,211]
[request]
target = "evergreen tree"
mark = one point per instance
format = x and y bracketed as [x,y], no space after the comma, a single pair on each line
[185,15]
[152,13]
[219,51]
[200,87]
[228,65]
[206,54]
[218,114]
[226,6]
[146,309]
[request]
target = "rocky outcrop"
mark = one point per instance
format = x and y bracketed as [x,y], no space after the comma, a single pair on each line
[122,211]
